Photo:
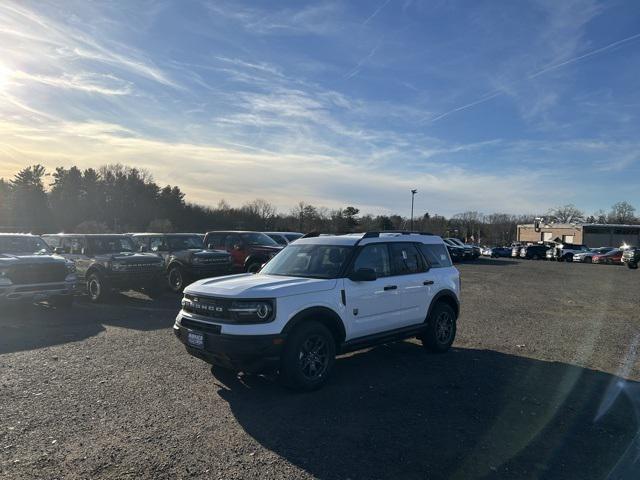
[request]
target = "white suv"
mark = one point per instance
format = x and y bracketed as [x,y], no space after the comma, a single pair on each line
[322,296]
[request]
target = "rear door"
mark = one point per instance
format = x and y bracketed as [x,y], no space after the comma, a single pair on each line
[75,249]
[413,281]
[373,307]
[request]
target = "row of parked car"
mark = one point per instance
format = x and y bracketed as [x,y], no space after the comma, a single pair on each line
[52,267]
[568,252]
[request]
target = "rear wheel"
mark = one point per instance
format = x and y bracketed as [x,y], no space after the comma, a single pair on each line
[441,329]
[308,356]
[97,288]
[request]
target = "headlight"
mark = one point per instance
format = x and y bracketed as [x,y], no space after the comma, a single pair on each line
[251,311]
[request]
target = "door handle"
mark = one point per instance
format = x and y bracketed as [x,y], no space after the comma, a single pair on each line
[428,282]
[391,287]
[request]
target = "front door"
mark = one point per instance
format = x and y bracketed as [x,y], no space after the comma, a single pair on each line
[374,306]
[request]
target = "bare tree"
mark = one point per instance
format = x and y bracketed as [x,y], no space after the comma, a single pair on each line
[622,213]
[566,214]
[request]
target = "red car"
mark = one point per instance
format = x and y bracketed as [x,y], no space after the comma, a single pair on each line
[614,257]
[249,250]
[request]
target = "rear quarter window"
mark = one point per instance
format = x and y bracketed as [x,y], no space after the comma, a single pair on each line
[436,255]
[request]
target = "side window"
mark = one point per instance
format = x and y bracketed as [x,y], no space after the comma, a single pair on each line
[74,245]
[405,259]
[231,241]
[156,244]
[53,242]
[215,240]
[436,255]
[374,256]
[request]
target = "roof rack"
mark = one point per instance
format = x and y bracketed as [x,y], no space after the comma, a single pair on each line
[400,232]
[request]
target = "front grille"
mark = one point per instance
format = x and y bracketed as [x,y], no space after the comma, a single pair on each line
[142,267]
[195,325]
[37,273]
[207,306]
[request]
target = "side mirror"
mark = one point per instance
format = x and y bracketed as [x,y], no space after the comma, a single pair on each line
[211,246]
[58,250]
[143,248]
[237,246]
[84,251]
[363,275]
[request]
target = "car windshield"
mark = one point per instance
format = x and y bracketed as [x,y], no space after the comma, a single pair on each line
[312,261]
[111,244]
[20,245]
[185,242]
[257,238]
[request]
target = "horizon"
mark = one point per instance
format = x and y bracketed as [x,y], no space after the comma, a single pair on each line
[488,108]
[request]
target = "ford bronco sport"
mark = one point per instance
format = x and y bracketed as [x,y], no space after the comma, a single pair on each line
[249,250]
[29,271]
[322,296]
[110,262]
[185,257]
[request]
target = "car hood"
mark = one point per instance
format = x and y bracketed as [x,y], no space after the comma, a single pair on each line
[248,285]
[131,257]
[208,253]
[7,259]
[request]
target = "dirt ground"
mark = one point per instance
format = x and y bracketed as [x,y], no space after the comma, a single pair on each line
[542,383]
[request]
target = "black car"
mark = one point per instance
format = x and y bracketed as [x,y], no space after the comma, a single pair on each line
[534,252]
[110,262]
[30,272]
[500,252]
[456,252]
[185,257]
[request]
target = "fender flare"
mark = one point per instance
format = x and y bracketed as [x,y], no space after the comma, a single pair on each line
[328,316]
[95,268]
[447,296]
[255,257]
[173,262]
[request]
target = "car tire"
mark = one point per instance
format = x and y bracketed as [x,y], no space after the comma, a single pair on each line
[62,301]
[632,265]
[97,288]
[308,357]
[588,260]
[176,279]
[254,267]
[536,257]
[441,329]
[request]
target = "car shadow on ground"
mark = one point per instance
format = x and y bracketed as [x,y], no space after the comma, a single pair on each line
[396,412]
[29,326]
[497,262]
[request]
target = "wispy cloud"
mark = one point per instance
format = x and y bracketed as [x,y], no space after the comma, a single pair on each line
[376,12]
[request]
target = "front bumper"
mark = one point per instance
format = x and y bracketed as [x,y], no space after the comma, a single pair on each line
[36,291]
[247,353]
[198,272]
[131,280]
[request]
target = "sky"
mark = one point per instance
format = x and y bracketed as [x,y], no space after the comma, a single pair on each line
[493,106]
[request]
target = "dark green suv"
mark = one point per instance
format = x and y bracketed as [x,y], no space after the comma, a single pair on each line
[185,257]
[110,262]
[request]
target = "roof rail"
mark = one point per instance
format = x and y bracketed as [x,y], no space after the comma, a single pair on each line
[400,232]
[311,235]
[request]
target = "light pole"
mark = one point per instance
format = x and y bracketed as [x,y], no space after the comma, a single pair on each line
[413,194]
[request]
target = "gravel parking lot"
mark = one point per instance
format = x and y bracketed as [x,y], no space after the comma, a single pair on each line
[542,383]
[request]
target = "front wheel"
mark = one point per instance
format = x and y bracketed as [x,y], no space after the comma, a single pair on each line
[176,279]
[632,265]
[308,357]
[441,329]
[97,288]
[254,267]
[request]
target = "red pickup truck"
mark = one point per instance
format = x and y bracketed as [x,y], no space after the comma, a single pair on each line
[249,250]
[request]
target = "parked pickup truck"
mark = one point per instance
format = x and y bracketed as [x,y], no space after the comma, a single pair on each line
[185,258]
[110,262]
[29,271]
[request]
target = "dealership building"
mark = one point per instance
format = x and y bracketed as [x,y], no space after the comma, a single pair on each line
[590,234]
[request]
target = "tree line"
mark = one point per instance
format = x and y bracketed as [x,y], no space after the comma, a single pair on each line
[118,198]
